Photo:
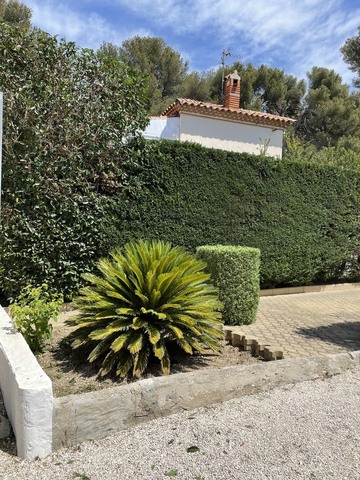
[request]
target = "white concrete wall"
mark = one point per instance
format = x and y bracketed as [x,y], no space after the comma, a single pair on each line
[229,135]
[163,127]
[27,393]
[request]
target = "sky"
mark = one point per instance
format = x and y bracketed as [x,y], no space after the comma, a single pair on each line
[294,35]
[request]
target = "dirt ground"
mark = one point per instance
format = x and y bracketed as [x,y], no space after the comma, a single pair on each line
[71,373]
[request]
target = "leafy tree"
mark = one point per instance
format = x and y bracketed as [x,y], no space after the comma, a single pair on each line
[342,155]
[66,116]
[15,12]
[164,66]
[331,112]
[197,86]
[262,89]
[351,55]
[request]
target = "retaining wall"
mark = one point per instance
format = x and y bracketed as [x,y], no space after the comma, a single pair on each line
[97,414]
[27,393]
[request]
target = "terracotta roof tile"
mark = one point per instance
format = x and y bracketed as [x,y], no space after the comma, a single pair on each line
[219,111]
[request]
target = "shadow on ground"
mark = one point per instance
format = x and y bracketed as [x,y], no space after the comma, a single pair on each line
[346,335]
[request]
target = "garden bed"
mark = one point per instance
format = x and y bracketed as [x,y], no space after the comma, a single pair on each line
[70,373]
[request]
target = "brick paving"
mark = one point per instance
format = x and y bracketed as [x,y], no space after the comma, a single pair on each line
[308,324]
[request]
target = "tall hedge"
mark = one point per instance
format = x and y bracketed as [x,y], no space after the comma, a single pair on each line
[235,272]
[304,218]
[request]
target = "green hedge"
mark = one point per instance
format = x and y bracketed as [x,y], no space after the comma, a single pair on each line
[235,272]
[304,218]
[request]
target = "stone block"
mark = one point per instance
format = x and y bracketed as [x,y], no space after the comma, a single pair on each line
[237,339]
[258,348]
[248,342]
[227,334]
[273,353]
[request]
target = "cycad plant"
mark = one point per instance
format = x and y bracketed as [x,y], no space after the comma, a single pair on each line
[147,297]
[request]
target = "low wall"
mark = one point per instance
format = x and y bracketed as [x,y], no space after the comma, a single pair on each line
[27,393]
[42,423]
[97,414]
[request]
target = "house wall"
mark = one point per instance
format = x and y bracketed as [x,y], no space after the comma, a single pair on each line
[229,135]
[163,127]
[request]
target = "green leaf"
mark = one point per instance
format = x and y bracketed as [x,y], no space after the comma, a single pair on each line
[192,449]
[171,473]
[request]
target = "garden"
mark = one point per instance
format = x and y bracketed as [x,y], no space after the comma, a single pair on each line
[162,240]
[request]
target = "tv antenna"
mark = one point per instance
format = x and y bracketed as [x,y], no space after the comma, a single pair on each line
[224,55]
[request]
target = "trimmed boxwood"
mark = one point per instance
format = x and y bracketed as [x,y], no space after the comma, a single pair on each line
[235,271]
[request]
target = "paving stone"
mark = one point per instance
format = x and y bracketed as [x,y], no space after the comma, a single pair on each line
[309,323]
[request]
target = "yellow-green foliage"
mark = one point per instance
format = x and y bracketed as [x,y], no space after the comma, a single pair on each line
[32,312]
[235,271]
[148,296]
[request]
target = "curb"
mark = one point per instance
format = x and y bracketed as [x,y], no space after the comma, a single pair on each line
[308,289]
[94,415]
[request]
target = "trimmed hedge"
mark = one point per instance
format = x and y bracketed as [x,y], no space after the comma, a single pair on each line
[235,272]
[304,217]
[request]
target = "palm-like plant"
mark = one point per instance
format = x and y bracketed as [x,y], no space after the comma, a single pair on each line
[148,296]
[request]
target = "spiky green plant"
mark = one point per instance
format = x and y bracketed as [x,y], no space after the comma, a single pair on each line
[148,296]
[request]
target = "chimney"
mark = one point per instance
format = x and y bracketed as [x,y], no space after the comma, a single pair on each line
[232,91]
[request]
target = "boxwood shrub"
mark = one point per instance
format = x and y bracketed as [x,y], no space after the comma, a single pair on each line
[235,271]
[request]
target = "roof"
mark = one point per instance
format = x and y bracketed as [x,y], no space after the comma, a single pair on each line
[219,111]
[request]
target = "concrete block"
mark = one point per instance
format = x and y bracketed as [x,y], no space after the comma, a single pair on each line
[249,342]
[227,334]
[96,414]
[27,393]
[258,348]
[237,339]
[273,353]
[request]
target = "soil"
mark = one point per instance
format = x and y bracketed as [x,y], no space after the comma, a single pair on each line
[71,373]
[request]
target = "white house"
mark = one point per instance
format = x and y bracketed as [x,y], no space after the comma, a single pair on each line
[227,127]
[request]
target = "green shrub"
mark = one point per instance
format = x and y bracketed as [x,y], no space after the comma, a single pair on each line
[147,297]
[235,271]
[32,312]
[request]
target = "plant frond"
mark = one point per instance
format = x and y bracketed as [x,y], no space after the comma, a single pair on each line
[125,362]
[120,342]
[159,349]
[136,342]
[153,332]
[141,361]
[165,364]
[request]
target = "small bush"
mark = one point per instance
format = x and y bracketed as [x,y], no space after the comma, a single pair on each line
[32,312]
[235,271]
[147,297]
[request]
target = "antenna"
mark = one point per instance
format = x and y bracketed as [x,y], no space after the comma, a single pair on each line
[224,55]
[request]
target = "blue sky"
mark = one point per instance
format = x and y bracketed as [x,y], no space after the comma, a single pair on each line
[294,35]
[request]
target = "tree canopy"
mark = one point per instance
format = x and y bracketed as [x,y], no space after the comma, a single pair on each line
[15,12]
[331,112]
[351,55]
[164,66]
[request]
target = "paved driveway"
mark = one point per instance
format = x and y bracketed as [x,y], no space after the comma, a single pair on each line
[309,324]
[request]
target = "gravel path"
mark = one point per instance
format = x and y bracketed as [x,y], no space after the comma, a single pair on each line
[310,430]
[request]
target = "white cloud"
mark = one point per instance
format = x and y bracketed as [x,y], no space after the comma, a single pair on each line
[305,33]
[87,31]
[296,34]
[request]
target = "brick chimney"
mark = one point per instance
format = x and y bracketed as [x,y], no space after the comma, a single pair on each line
[232,91]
